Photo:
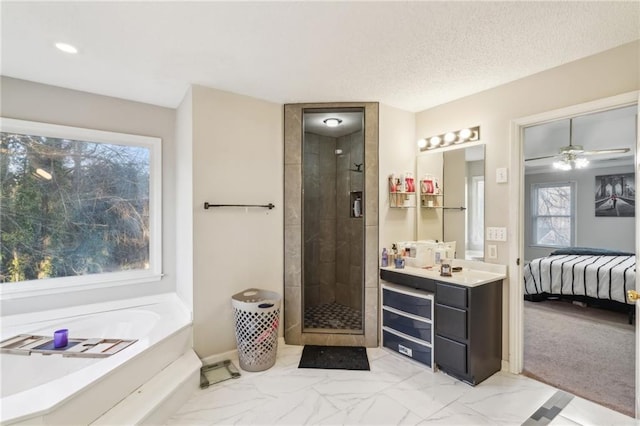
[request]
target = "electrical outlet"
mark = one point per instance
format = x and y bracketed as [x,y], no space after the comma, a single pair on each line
[502,175]
[493,251]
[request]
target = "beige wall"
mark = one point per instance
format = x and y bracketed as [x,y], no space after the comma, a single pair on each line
[25,100]
[397,155]
[609,73]
[237,159]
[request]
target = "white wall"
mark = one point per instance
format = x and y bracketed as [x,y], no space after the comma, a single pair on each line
[609,73]
[25,100]
[396,155]
[617,233]
[237,159]
[184,200]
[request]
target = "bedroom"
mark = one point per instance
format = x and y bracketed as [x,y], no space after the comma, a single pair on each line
[579,251]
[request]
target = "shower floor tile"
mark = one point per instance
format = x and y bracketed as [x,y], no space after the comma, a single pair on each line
[333,316]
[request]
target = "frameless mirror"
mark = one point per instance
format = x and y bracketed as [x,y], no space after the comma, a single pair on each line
[454,211]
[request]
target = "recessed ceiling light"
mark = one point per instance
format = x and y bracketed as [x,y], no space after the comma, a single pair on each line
[332,122]
[67,48]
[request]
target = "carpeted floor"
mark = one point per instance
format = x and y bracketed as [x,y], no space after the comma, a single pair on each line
[588,352]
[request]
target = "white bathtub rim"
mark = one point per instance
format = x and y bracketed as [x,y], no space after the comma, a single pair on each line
[25,319]
[43,401]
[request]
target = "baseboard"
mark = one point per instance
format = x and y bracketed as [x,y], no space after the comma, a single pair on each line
[211,359]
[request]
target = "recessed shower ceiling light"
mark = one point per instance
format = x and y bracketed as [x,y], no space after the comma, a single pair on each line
[67,48]
[332,122]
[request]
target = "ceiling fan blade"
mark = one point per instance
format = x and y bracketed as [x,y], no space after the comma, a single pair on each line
[607,151]
[540,158]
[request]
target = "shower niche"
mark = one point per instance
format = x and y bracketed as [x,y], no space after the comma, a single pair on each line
[331,209]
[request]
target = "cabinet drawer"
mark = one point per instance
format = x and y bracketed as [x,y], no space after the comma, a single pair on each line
[406,347]
[451,295]
[451,322]
[412,304]
[414,327]
[450,355]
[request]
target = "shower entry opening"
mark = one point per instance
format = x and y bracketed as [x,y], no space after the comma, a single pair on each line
[333,220]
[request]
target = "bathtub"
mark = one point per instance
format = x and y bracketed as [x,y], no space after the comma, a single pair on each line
[52,389]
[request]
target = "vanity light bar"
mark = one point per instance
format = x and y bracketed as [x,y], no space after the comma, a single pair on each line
[470,134]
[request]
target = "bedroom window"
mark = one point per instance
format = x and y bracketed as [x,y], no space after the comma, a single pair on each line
[553,214]
[79,207]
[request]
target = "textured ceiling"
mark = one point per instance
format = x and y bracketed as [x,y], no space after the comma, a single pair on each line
[410,55]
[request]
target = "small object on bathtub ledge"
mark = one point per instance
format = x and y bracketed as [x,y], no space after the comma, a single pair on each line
[25,344]
[60,338]
[456,269]
[217,372]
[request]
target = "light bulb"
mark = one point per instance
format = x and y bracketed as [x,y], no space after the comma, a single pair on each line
[464,134]
[435,141]
[422,143]
[449,137]
[561,165]
[581,163]
[332,122]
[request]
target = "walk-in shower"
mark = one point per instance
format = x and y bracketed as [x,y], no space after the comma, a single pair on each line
[331,224]
[333,220]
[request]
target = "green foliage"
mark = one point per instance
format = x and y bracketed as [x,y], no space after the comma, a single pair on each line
[71,208]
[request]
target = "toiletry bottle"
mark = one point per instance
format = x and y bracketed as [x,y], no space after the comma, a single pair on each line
[385,257]
[357,207]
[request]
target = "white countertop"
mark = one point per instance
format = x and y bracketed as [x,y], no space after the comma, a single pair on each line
[473,273]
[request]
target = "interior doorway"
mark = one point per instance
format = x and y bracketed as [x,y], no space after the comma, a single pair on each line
[527,227]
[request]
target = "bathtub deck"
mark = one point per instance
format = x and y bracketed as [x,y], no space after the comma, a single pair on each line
[81,390]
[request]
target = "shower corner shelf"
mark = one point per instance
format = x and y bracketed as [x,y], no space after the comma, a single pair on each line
[26,344]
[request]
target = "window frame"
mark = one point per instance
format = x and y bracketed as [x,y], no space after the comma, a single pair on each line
[535,187]
[32,288]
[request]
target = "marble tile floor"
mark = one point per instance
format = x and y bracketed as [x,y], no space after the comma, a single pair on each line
[396,391]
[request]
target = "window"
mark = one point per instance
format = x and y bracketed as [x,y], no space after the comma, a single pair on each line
[77,206]
[553,214]
[475,228]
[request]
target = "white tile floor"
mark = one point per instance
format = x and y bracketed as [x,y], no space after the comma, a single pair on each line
[396,391]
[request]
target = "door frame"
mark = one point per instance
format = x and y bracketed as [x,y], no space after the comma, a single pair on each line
[517,217]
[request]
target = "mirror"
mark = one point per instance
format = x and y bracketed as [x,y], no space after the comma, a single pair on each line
[456,212]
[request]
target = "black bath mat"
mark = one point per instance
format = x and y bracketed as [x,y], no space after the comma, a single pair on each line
[334,357]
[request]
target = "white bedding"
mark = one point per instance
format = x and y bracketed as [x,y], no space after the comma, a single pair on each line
[597,276]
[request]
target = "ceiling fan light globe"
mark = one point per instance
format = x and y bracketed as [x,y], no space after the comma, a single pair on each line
[581,163]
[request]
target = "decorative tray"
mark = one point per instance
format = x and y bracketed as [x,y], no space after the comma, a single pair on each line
[25,344]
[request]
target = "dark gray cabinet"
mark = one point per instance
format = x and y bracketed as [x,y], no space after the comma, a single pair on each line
[467,325]
[468,330]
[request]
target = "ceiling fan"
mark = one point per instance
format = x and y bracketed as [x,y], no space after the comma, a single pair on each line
[573,156]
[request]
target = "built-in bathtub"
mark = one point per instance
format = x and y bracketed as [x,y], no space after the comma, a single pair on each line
[52,389]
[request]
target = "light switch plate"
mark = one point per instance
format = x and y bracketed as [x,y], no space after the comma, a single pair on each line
[496,234]
[493,251]
[502,175]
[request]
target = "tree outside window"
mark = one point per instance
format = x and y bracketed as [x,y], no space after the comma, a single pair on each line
[553,214]
[72,207]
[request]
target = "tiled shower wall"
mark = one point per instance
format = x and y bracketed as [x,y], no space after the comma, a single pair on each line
[350,230]
[319,168]
[333,239]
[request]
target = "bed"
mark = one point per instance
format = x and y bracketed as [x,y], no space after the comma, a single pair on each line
[585,274]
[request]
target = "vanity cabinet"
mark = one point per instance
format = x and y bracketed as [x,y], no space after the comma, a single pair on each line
[468,330]
[407,322]
[466,322]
